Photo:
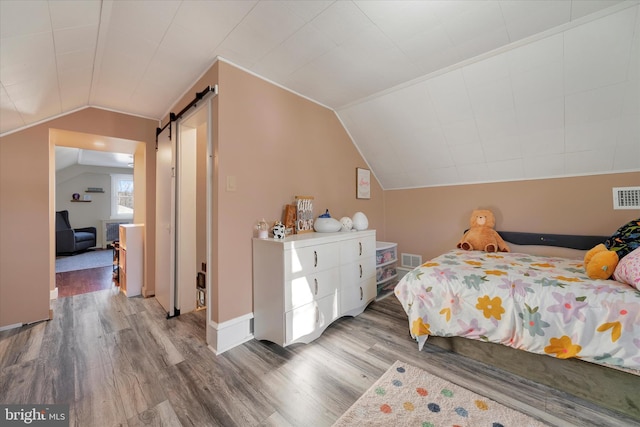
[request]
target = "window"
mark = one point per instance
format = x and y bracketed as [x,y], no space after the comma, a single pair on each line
[121,196]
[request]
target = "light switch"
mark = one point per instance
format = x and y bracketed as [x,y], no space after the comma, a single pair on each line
[231,183]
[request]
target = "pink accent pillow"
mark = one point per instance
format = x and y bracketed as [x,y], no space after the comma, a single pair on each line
[628,269]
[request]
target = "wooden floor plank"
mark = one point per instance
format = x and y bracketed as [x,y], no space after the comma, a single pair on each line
[120,361]
[161,415]
[22,347]
[135,377]
[98,401]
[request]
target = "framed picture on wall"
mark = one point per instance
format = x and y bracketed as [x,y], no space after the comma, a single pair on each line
[363,183]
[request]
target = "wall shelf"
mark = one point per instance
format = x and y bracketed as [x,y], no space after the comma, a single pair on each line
[93,191]
[81,201]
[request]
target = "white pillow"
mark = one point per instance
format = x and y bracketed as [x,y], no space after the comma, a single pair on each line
[628,269]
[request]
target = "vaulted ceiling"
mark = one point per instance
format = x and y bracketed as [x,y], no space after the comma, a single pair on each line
[432,92]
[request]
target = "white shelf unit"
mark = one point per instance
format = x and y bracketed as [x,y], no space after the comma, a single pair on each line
[302,283]
[386,268]
[131,258]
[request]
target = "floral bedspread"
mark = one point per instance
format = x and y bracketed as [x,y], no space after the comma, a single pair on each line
[539,304]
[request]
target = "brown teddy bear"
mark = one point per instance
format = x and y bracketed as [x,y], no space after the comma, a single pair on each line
[481,236]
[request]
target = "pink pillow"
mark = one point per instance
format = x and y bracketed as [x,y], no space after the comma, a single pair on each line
[628,269]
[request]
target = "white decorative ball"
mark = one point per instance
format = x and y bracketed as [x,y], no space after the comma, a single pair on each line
[347,224]
[360,221]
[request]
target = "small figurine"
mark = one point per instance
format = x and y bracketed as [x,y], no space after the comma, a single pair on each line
[278,230]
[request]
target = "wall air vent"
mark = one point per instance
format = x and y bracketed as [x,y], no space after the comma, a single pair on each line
[411,260]
[626,198]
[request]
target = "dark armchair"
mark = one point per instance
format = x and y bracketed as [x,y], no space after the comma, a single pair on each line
[70,240]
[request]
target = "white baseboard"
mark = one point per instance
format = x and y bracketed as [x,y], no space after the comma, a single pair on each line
[53,294]
[226,335]
[6,328]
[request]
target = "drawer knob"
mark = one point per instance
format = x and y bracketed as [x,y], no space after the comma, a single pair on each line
[317,315]
[361,293]
[360,244]
[316,283]
[315,258]
[360,265]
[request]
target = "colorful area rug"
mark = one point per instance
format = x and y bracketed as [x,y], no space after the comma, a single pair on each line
[84,260]
[408,396]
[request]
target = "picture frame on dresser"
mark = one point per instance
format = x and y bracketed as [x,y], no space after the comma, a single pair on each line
[304,214]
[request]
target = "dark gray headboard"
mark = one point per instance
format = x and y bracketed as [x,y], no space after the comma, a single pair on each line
[560,240]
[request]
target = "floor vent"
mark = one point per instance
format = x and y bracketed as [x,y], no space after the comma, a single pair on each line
[626,198]
[411,260]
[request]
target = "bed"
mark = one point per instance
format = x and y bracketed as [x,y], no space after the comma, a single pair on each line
[496,304]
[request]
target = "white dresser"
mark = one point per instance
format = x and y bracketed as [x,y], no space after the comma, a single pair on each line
[304,282]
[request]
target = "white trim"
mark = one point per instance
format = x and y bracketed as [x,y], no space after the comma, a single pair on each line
[227,335]
[453,184]
[497,51]
[253,73]
[6,328]
[66,113]
[39,122]
[190,88]
[219,58]
[53,294]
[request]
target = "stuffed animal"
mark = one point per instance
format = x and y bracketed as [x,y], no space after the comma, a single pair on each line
[481,236]
[601,261]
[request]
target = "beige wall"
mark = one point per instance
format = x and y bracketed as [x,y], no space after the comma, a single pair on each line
[27,206]
[429,221]
[277,145]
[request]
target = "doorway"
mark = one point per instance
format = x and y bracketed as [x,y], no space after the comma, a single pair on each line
[183,206]
[87,168]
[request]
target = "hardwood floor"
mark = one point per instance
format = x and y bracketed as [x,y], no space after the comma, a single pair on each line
[78,282]
[119,362]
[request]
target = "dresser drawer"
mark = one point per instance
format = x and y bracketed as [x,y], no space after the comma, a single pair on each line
[305,289]
[305,260]
[306,323]
[354,299]
[354,272]
[358,248]
[298,283]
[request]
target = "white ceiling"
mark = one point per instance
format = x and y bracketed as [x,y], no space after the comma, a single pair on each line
[437,81]
[70,156]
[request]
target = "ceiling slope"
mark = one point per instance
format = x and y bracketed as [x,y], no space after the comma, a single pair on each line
[140,57]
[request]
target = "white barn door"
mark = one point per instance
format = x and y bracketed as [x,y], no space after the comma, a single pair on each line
[166,220]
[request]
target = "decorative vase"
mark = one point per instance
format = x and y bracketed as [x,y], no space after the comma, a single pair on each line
[360,221]
[326,225]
